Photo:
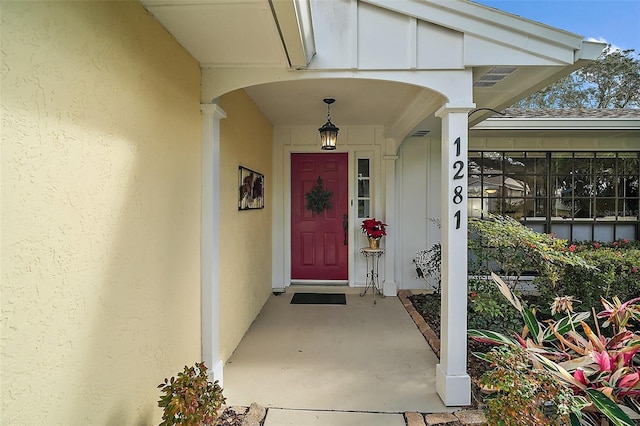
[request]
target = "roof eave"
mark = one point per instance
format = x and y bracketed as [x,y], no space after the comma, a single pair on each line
[293,18]
[559,124]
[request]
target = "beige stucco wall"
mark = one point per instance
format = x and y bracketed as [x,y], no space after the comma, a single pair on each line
[100,212]
[245,236]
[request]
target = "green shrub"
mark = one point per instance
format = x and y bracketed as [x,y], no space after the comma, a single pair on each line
[616,273]
[522,395]
[502,243]
[488,309]
[190,399]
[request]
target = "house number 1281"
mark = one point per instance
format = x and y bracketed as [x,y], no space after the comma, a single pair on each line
[458,167]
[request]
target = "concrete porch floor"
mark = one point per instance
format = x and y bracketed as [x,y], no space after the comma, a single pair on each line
[317,361]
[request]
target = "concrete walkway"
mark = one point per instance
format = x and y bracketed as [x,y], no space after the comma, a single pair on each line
[353,364]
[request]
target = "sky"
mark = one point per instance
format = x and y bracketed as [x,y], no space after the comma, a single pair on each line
[612,21]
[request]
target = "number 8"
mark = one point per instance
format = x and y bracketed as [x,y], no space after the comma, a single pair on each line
[457,195]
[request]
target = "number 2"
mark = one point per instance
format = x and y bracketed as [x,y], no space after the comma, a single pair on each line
[459,165]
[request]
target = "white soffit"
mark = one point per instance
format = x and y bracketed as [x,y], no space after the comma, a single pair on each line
[223,33]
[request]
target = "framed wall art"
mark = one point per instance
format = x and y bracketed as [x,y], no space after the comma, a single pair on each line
[251,189]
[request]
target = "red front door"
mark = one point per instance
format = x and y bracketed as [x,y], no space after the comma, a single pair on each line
[319,243]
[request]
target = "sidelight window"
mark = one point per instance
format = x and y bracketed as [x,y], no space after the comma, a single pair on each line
[364,187]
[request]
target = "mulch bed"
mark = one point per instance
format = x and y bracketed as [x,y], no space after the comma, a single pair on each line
[428,306]
[232,416]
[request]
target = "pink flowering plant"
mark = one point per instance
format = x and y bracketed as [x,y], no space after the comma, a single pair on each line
[601,367]
[373,228]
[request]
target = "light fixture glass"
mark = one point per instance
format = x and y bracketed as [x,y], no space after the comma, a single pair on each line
[328,132]
[491,191]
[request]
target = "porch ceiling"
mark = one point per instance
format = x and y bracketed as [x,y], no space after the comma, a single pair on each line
[267,34]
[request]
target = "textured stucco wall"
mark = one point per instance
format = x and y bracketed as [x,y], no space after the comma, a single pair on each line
[100,212]
[245,236]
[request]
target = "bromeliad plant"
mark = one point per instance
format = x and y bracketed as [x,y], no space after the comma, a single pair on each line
[602,370]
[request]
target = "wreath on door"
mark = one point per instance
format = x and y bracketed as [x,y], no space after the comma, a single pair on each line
[318,199]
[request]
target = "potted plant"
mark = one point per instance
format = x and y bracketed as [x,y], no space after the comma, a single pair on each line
[374,230]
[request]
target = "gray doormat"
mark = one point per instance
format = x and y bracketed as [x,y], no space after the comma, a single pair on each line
[319,299]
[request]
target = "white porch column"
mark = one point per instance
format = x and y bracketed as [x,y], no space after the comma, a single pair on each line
[453,384]
[209,244]
[390,288]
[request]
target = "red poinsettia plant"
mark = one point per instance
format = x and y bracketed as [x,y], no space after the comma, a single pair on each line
[373,228]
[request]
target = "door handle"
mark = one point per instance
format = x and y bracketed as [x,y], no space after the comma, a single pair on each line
[345,226]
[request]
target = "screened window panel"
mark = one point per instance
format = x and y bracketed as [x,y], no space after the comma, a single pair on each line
[582,208]
[583,163]
[606,208]
[584,190]
[629,208]
[514,163]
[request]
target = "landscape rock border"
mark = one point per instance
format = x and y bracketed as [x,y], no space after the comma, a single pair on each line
[429,335]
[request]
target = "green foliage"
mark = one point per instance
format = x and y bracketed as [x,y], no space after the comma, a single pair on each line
[612,81]
[190,399]
[515,249]
[522,395]
[564,93]
[487,309]
[616,273]
[318,199]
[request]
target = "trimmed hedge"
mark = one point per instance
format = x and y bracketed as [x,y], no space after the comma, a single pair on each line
[617,273]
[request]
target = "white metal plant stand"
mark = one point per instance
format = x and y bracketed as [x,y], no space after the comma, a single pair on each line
[372,256]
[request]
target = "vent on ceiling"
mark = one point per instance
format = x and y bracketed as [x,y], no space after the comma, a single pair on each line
[495,75]
[419,133]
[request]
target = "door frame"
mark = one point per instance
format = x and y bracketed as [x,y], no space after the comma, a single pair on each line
[284,216]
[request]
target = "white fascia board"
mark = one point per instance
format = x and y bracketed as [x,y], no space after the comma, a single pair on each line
[293,18]
[589,51]
[558,124]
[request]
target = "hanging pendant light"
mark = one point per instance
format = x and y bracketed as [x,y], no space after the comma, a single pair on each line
[328,132]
